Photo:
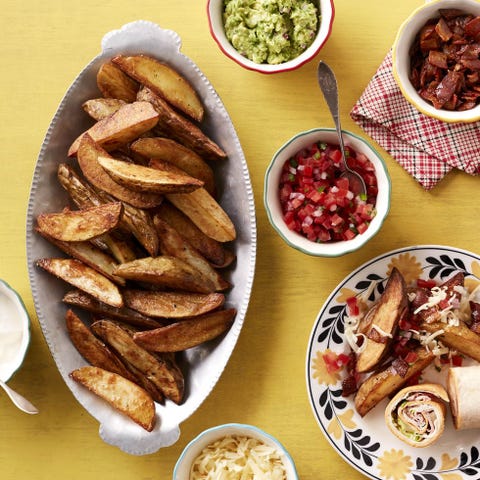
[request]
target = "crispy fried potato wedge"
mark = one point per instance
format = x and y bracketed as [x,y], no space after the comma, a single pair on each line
[81,225]
[113,83]
[134,219]
[215,252]
[82,300]
[100,108]
[458,337]
[145,179]
[88,154]
[166,149]
[383,323]
[164,81]
[161,371]
[92,349]
[173,244]
[143,381]
[187,333]
[122,394]
[87,253]
[126,124]
[166,271]
[387,381]
[85,278]
[206,213]
[173,125]
[172,304]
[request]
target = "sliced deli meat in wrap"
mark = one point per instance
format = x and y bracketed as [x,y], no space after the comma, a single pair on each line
[416,414]
[463,385]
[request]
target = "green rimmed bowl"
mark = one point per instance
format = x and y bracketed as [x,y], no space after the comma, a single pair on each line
[272,200]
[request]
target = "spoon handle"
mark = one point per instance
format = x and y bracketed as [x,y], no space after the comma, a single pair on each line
[21,402]
[329,87]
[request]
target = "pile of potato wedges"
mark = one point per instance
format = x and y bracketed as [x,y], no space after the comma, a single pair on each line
[145,243]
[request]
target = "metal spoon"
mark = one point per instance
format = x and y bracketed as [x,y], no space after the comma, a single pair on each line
[22,403]
[328,85]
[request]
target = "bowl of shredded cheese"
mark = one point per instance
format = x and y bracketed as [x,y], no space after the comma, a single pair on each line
[235,451]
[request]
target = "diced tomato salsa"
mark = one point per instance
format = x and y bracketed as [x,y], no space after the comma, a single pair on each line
[317,203]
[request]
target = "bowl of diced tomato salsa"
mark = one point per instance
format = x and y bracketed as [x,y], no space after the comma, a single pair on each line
[312,206]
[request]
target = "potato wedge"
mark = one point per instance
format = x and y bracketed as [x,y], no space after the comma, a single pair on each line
[387,381]
[187,333]
[382,324]
[166,149]
[122,394]
[172,304]
[81,225]
[206,213]
[100,108]
[135,220]
[113,83]
[145,179]
[120,128]
[83,277]
[173,244]
[164,81]
[87,157]
[87,253]
[173,125]
[215,252]
[91,348]
[458,337]
[82,300]
[166,271]
[161,371]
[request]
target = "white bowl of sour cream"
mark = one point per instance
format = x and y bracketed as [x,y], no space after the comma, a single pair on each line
[14,331]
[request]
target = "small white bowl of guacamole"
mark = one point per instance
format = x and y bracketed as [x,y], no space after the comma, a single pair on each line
[270,36]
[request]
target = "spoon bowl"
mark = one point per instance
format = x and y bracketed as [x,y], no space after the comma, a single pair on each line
[328,85]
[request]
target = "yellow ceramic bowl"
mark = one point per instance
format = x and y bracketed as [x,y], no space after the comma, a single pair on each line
[401,58]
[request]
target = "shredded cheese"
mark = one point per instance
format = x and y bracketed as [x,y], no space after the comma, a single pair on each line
[237,457]
[383,333]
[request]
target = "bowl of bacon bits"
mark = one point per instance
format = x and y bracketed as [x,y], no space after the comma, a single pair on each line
[312,206]
[235,451]
[436,60]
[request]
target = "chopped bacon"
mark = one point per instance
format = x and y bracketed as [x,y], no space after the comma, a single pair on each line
[445,61]
[400,366]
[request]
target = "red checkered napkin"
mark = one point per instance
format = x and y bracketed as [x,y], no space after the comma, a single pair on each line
[425,147]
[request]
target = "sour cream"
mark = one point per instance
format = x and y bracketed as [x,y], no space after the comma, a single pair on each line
[14,331]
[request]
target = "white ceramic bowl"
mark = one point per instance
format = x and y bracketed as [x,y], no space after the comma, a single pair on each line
[401,58]
[272,201]
[215,20]
[195,447]
[14,331]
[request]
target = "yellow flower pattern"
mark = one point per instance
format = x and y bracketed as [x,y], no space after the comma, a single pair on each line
[449,463]
[340,423]
[408,265]
[473,281]
[320,371]
[394,465]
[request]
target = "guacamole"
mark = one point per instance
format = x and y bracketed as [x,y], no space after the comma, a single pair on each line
[270,31]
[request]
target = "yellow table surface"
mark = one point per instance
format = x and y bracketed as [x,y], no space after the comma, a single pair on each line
[45,45]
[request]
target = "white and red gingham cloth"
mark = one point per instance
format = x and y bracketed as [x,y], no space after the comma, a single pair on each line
[425,147]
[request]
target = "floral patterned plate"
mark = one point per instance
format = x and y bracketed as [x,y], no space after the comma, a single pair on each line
[366,443]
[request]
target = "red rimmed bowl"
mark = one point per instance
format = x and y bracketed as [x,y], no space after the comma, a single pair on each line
[215,10]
